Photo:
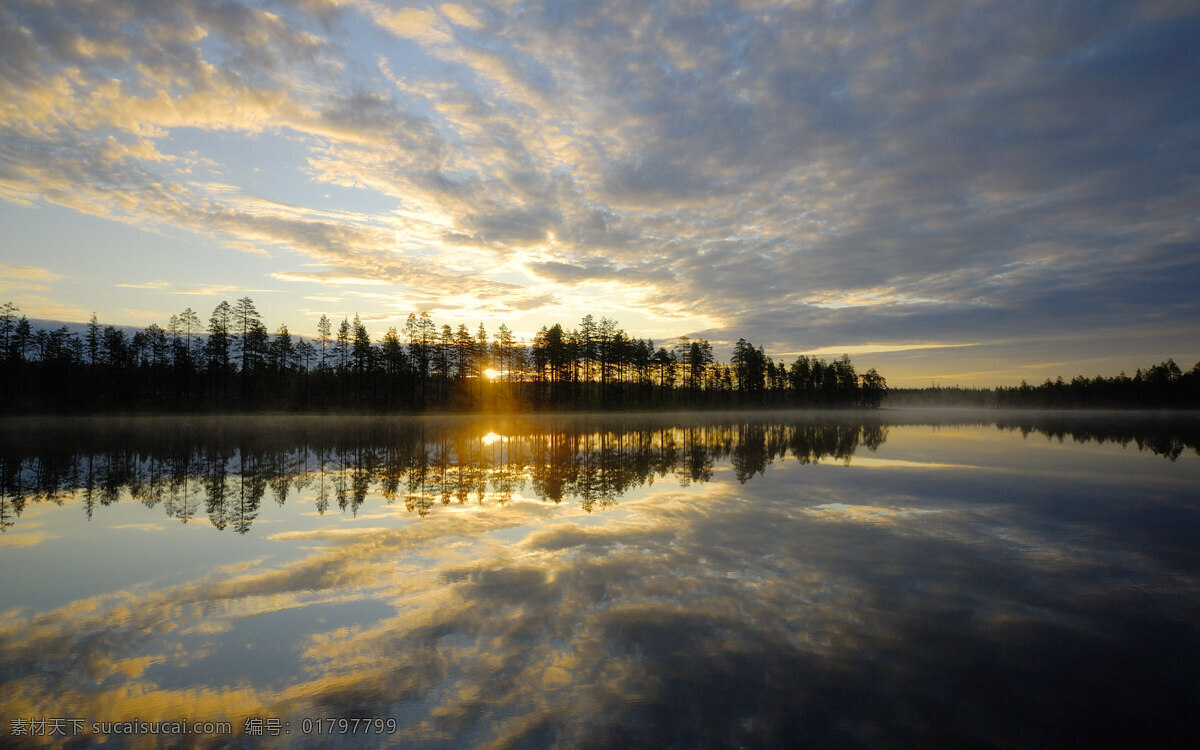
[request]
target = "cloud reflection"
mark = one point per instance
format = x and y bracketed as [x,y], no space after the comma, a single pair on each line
[751,613]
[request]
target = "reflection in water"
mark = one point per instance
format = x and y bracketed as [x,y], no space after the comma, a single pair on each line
[189,468]
[955,592]
[186,470]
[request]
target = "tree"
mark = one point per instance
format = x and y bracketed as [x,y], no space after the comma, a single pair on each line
[341,349]
[58,347]
[323,333]
[283,352]
[258,341]
[185,325]
[93,339]
[665,361]
[138,349]
[392,352]
[481,351]
[7,327]
[503,350]
[750,368]
[305,352]
[551,357]
[444,352]
[21,340]
[846,387]
[362,347]
[586,345]
[418,352]
[420,331]
[115,347]
[157,345]
[464,347]
[217,346]
[800,376]
[695,356]
[245,323]
[872,388]
[608,344]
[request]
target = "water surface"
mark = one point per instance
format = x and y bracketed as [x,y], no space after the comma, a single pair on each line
[837,580]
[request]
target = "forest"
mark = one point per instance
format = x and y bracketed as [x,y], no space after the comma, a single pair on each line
[231,363]
[1160,386]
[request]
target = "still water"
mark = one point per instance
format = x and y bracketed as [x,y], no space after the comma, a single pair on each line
[846,580]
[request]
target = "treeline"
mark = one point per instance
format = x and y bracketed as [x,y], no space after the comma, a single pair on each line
[1161,386]
[232,363]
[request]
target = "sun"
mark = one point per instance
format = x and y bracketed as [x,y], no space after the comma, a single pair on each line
[491,374]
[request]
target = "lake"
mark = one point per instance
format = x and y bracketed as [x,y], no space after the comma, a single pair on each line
[957,579]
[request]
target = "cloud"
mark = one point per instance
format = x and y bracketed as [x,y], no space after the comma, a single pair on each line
[460,16]
[414,23]
[331,279]
[47,308]
[801,174]
[149,316]
[858,349]
[27,538]
[166,287]
[157,284]
[246,247]
[566,273]
[27,273]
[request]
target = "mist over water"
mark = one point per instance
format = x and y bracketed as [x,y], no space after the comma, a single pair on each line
[837,579]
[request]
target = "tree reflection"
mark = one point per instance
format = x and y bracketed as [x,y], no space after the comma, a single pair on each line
[227,466]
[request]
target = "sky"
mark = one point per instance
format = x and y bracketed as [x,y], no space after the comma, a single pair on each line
[952,192]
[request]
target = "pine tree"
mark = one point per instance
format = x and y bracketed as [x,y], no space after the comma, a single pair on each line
[217,346]
[362,347]
[341,349]
[245,325]
[93,339]
[324,331]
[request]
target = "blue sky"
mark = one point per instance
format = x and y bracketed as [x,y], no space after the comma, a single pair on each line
[960,192]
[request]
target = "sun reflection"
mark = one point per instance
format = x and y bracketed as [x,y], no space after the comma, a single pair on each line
[490,438]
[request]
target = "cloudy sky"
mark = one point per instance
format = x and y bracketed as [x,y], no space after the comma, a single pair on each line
[952,191]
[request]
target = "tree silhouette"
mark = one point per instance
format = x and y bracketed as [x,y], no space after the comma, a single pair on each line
[93,339]
[324,330]
[362,348]
[218,343]
[283,352]
[873,388]
[184,327]
[245,322]
[341,348]
[187,367]
[464,353]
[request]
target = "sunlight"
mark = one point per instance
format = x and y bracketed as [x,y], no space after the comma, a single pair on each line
[491,374]
[490,438]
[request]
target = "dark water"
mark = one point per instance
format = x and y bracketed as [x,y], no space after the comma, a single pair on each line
[844,580]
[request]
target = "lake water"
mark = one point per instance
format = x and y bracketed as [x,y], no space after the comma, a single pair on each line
[829,580]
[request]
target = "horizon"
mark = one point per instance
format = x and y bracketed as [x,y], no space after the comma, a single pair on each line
[722,356]
[964,196]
